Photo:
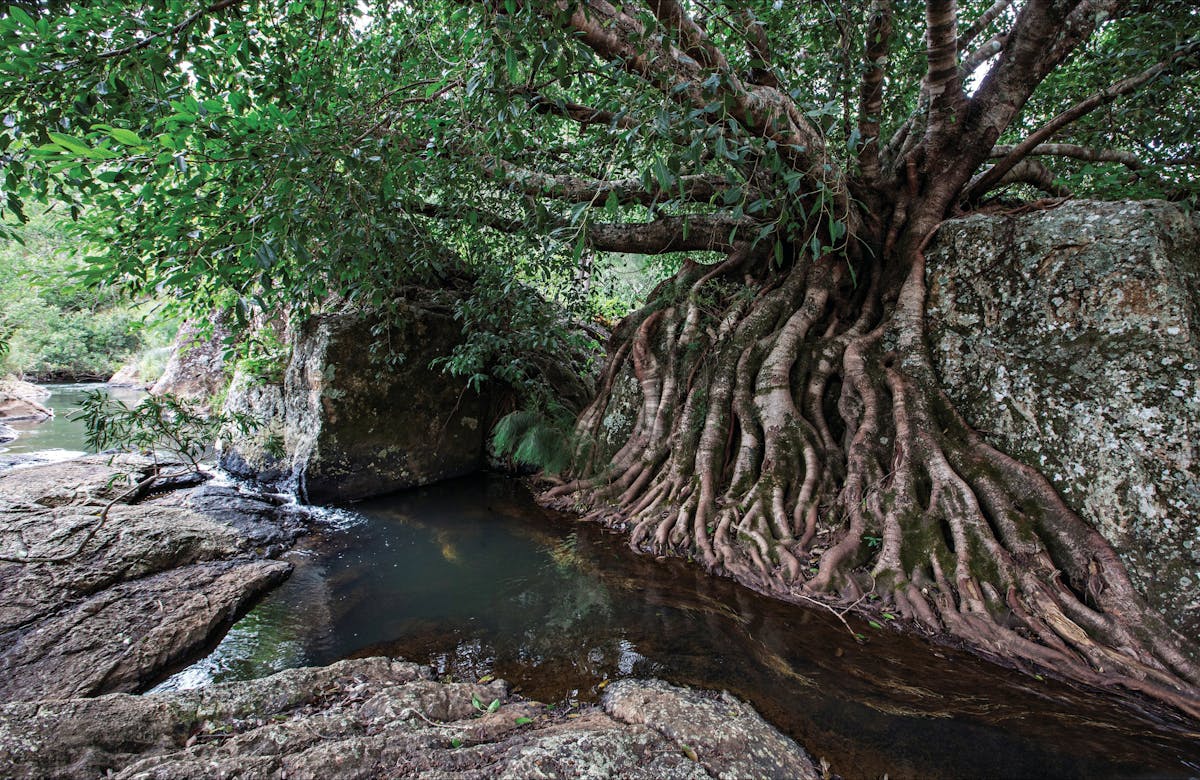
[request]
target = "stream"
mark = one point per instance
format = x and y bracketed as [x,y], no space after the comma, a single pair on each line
[474,578]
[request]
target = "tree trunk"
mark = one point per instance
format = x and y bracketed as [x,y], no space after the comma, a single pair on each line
[792,434]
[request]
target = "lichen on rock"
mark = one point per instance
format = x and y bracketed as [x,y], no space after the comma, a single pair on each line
[1071,339]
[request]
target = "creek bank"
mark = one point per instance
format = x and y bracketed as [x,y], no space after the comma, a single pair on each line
[377,717]
[102,593]
[23,401]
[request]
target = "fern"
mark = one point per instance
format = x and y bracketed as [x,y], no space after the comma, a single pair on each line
[535,438]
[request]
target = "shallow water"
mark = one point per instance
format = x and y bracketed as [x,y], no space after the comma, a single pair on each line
[60,437]
[474,578]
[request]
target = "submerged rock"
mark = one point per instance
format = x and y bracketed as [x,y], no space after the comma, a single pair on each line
[23,401]
[1070,339]
[381,718]
[91,605]
[7,434]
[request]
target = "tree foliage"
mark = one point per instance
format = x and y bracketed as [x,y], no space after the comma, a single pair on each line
[276,150]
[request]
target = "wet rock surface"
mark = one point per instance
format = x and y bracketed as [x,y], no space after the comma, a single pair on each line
[98,594]
[1070,339]
[377,717]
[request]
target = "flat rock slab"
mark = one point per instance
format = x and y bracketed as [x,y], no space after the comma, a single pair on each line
[94,601]
[377,717]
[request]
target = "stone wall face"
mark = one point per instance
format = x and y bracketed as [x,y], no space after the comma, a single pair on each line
[347,424]
[376,427]
[1070,338]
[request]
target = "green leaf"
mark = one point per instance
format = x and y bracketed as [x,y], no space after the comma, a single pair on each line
[511,66]
[127,137]
[521,721]
[70,144]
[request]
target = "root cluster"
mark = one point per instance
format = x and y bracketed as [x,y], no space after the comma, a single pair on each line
[792,434]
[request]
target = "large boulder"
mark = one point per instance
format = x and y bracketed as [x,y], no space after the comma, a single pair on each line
[361,412]
[345,424]
[100,593]
[143,372]
[196,368]
[23,401]
[377,717]
[1070,338]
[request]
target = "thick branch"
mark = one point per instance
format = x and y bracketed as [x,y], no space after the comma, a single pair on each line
[760,51]
[1035,174]
[694,39]
[584,115]
[942,82]
[763,112]
[714,233]
[1074,151]
[708,232]
[990,48]
[993,175]
[574,189]
[879,33]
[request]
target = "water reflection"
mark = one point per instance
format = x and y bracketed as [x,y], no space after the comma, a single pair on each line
[474,579]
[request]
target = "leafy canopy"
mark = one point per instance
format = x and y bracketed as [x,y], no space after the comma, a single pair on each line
[264,152]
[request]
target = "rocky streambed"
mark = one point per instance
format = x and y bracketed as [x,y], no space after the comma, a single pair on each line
[104,589]
[376,717]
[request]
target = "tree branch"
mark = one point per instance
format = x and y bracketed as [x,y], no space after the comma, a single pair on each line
[712,233]
[691,233]
[697,188]
[584,115]
[764,112]
[980,24]
[879,33]
[989,178]
[1074,151]
[759,48]
[1035,174]
[695,40]
[170,32]
[942,82]
[992,47]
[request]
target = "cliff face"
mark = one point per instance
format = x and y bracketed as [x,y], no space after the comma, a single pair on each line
[1071,339]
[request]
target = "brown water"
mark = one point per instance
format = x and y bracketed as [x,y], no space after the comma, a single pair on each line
[474,578]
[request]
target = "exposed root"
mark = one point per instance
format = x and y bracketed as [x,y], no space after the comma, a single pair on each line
[802,446]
